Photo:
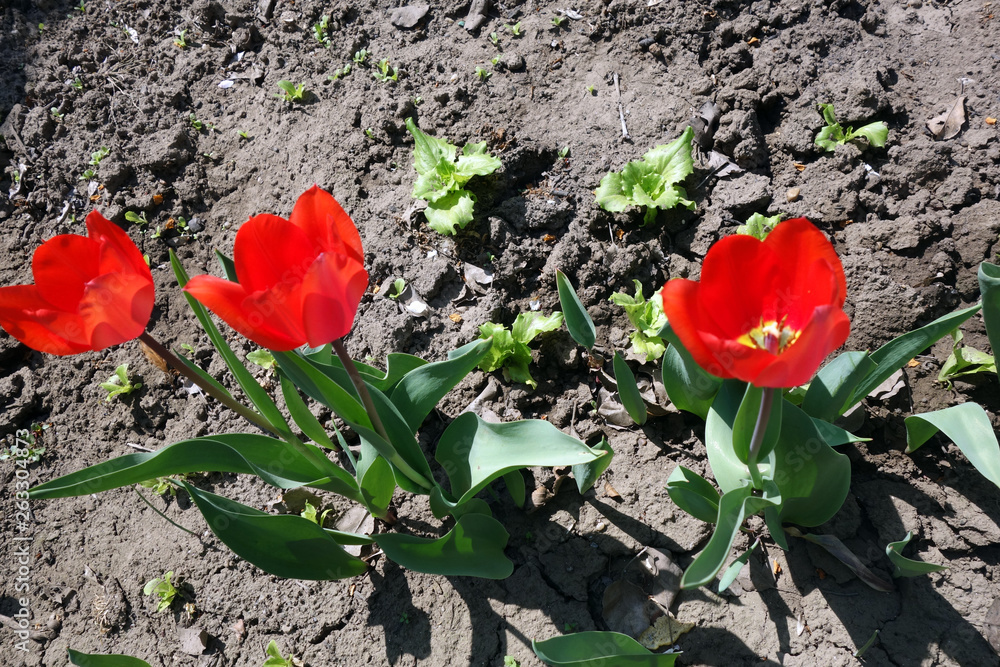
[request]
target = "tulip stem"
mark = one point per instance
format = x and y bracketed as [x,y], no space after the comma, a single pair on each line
[759,429]
[214,392]
[361,387]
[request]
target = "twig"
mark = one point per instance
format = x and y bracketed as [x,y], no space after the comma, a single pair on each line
[621,112]
[139,447]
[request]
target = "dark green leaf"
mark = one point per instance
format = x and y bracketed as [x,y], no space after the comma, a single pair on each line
[834,435]
[578,321]
[688,386]
[586,474]
[832,387]
[474,548]
[284,545]
[228,266]
[989,286]
[302,416]
[104,660]
[598,649]
[746,421]
[628,392]
[515,486]
[308,377]
[694,494]
[733,571]
[905,567]
[376,479]
[732,512]
[968,426]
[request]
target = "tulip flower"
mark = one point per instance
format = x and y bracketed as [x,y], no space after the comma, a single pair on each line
[90,292]
[300,280]
[765,312]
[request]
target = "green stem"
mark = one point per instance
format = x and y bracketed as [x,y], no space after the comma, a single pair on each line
[757,439]
[360,386]
[221,397]
[174,523]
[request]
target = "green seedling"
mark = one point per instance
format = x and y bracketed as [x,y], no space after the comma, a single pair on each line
[41,28]
[243,134]
[262,358]
[417,101]
[647,317]
[510,661]
[964,361]
[136,218]
[515,29]
[494,39]
[591,90]
[161,486]
[759,226]
[180,42]
[98,155]
[187,347]
[195,123]
[398,285]
[564,152]
[88,175]
[495,60]
[340,73]
[558,21]
[510,347]
[483,74]
[27,444]
[652,182]
[82,7]
[55,113]
[360,56]
[274,658]
[370,133]
[382,70]
[442,178]
[320,31]
[163,589]
[290,92]
[119,384]
[833,134]
[404,618]
[311,514]
[77,83]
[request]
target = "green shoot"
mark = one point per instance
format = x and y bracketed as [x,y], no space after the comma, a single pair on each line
[417,101]
[558,21]
[98,155]
[759,226]
[647,317]
[27,448]
[495,59]
[136,218]
[187,347]
[591,90]
[41,28]
[510,661]
[833,134]
[88,175]
[653,182]
[274,658]
[180,42]
[163,589]
[370,133]
[320,31]
[441,178]
[82,7]
[243,134]
[515,29]
[382,72]
[510,347]
[494,39]
[483,74]
[398,285]
[340,73]
[55,113]
[77,83]
[360,56]
[311,513]
[963,361]
[119,384]
[161,486]
[564,152]
[290,92]
[195,123]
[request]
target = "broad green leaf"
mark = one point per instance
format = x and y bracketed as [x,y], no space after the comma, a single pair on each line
[746,420]
[302,416]
[968,426]
[451,211]
[515,486]
[433,185]
[475,161]
[419,391]
[274,461]
[473,548]
[829,137]
[284,545]
[733,571]
[586,474]
[673,162]
[628,391]
[688,386]
[611,193]
[501,347]
[989,286]
[732,512]
[428,151]
[905,567]
[831,389]
[376,479]
[598,649]
[876,133]
[578,321]
[965,361]
[473,452]
[260,399]
[759,226]
[528,325]
[835,436]
[319,386]
[893,355]
[829,114]
[694,494]
[104,660]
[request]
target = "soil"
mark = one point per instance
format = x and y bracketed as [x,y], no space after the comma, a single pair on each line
[911,221]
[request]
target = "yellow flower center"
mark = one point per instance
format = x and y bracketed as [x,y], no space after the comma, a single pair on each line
[771,336]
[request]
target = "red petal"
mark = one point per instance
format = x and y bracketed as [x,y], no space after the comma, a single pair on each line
[118,252]
[26,316]
[331,293]
[681,306]
[115,308]
[806,255]
[825,332]
[323,220]
[261,317]
[62,267]
[270,252]
[738,278]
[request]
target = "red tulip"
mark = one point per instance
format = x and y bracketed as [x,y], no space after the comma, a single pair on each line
[765,312]
[300,280]
[90,292]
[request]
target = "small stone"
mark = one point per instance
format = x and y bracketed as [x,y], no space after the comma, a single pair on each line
[409,16]
[600,527]
[793,194]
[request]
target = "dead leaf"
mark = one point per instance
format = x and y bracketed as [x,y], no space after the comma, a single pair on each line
[193,640]
[666,576]
[912,363]
[948,124]
[625,609]
[705,123]
[799,166]
[752,41]
[157,199]
[455,317]
[664,632]
[477,278]
[154,358]
[549,238]
[610,492]
[721,165]
[240,628]
[775,567]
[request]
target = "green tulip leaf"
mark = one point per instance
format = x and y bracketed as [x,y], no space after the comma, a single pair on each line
[284,545]
[474,548]
[309,377]
[598,649]
[694,494]
[831,389]
[628,391]
[968,426]
[516,488]
[272,460]
[474,453]
[905,567]
[586,474]
[834,435]
[303,416]
[689,387]
[104,660]
[376,479]
[732,512]
[228,266]
[733,571]
[578,321]
[746,421]
[397,366]
[989,286]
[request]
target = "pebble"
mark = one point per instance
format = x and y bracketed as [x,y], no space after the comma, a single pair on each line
[600,526]
[792,194]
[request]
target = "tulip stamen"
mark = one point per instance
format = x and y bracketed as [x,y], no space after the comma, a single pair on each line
[772,336]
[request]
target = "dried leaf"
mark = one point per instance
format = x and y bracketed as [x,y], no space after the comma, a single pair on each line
[625,609]
[477,278]
[610,491]
[664,632]
[722,165]
[154,358]
[948,124]
[192,640]
[455,317]
[666,576]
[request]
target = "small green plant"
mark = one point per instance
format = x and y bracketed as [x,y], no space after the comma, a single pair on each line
[558,21]
[510,347]
[515,29]
[495,59]
[119,383]
[483,74]
[398,285]
[320,31]
[311,513]
[382,70]
[510,661]
[494,39]
[82,7]
[88,174]
[27,444]
[136,218]
[647,317]
[291,92]
[404,618]
[187,347]
[195,123]
[564,152]
[77,83]
[591,90]
[569,627]
[56,114]
[274,658]
[340,73]
[370,133]
[161,486]
[98,155]
[180,42]
[417,101]
[243,134]
[759,226]
[162,588]
[964,360]
[41,28]
[262,358]
[652,182]
[833,134]
[442,178]
[360,56]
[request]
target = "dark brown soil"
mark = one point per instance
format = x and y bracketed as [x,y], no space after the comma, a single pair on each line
[911,239]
